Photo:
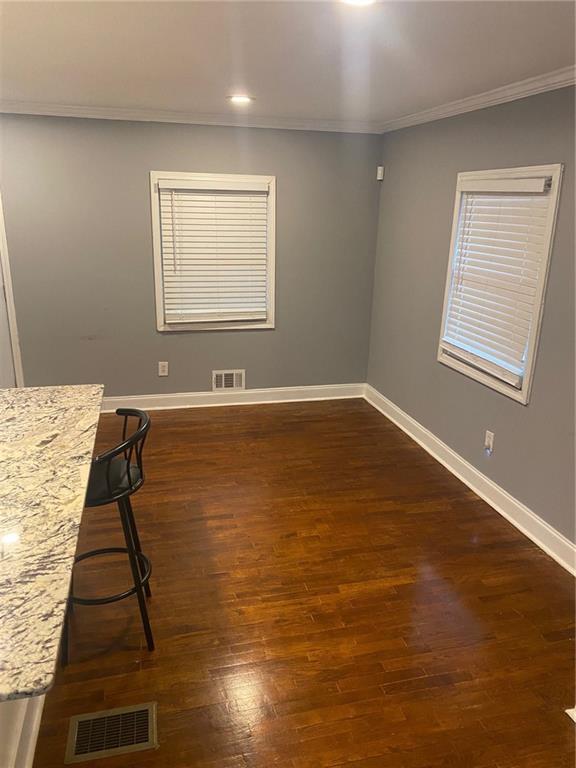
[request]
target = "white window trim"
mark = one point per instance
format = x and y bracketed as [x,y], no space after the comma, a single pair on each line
[235,181]
[465,182]
[10,305]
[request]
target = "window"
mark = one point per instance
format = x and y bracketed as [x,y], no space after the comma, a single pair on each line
[213,237]
[501,241]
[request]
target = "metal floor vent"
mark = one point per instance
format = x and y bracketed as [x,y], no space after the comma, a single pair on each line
[228,379]
[111,732]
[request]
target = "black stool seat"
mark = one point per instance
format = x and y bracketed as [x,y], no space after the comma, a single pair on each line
[108,482]
[114,477]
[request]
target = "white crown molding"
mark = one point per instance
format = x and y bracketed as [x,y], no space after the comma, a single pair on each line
[528,522]
[551,81]
[187,118]
[560,78]
[236,397]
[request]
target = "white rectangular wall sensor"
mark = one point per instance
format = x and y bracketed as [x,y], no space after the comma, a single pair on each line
[380,173]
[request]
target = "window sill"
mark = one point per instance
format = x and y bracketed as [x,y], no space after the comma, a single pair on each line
[519,395]
[240,325]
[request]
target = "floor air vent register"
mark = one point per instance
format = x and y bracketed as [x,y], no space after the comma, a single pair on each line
[233,379]
[112,732]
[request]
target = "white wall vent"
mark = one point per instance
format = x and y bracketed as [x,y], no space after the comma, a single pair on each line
[228,379]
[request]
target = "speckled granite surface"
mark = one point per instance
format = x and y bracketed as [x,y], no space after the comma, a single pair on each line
[46,442]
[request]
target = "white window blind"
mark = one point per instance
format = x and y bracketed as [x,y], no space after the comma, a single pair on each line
[215,250]
[496,278]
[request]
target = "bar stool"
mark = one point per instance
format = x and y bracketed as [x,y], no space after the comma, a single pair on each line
[114,478]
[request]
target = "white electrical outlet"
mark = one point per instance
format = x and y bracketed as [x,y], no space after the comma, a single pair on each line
[489,443]
[162,368]
[380,173]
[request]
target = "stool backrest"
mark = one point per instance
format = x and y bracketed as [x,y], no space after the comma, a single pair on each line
[131,447]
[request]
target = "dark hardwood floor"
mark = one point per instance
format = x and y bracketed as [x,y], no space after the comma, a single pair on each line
[324,594]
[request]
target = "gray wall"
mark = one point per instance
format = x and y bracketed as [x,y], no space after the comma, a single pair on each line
[76,199]
[534,445]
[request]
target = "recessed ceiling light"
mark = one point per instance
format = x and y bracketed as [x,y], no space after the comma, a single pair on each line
[240,98]
[359,2]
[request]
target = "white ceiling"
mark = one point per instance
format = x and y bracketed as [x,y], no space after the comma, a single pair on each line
[308,64]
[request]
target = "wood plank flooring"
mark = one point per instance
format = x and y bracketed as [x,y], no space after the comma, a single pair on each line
[324,594]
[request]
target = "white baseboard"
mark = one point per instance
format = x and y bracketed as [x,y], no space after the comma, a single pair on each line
[540,532]
[237,397]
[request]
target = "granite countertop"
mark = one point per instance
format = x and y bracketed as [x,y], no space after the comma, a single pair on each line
[46,441]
